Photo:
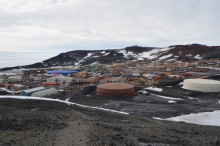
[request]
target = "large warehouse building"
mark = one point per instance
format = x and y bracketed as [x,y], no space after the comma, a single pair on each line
[115,90]
[44,93]
[63,72]
[203,85]
[30,91]
[60,79]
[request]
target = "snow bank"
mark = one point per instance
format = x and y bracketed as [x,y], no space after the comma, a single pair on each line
[67,102]
[205,118]
[154,89]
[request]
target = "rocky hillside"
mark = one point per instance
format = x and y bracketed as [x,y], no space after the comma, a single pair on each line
[171,53]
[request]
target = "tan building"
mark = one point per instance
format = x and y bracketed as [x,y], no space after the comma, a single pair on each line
[19,87]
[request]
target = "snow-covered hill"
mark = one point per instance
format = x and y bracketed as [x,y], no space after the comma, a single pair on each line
[86,57]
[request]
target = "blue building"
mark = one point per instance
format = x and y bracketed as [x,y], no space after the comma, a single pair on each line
[63,72]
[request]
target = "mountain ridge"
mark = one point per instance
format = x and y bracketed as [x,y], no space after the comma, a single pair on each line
[86,57]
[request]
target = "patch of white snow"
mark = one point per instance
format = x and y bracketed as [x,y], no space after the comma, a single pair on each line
[205,118]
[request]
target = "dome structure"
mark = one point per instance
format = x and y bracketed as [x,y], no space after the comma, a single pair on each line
[203,85]
[115,90]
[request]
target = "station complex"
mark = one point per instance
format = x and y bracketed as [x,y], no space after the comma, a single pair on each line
[55,82]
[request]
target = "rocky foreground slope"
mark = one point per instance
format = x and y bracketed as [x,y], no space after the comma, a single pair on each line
[86,57]
[46,123]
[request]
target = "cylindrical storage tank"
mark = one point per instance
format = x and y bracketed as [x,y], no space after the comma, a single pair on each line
[203,85]
[115,90]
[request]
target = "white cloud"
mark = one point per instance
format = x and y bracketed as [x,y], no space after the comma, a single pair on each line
[57,25]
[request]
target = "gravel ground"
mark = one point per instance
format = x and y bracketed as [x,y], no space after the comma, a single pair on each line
[46,123]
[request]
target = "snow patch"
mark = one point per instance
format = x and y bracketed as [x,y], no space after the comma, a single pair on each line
[128,54]
[82,60]
[166,56]
[154,89]
[154,53]
[172,101]
[181,83]
[157,118]
[166,97]
[88,55]
[198,57]
[106,54]
[205,118]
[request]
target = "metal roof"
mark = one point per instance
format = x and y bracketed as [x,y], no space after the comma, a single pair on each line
[45,92]
[18,85]
[34,89]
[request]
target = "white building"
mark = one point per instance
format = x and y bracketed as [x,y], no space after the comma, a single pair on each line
[60,79]
[14,79]
[136,72]
[44,93]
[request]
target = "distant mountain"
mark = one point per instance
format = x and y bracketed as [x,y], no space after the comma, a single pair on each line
[86,57]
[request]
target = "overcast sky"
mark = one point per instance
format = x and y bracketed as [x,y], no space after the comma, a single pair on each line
[34,30]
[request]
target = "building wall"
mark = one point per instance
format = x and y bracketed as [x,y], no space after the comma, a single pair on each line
[201,87]
[19,88]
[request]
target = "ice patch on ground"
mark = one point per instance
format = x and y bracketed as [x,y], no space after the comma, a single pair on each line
[205,118]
